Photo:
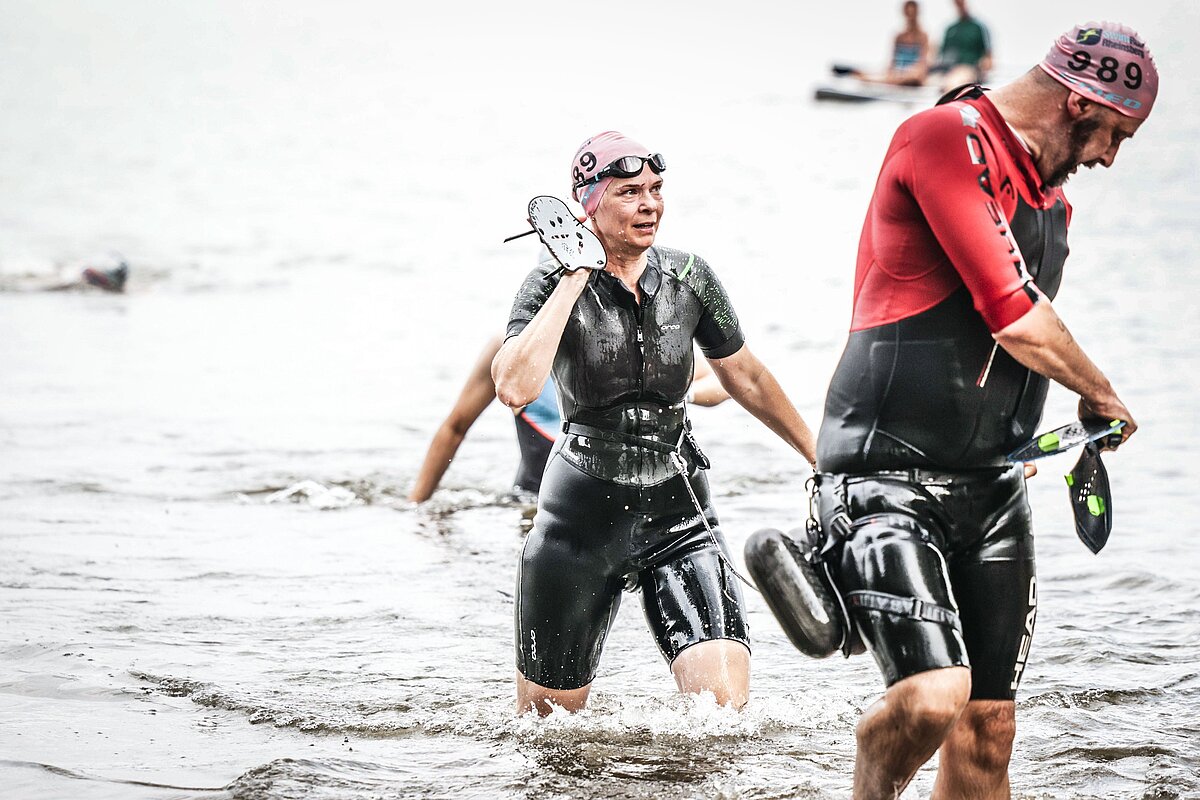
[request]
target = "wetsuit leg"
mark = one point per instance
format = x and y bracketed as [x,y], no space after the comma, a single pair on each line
[996,587]
[689,594]
[894,548]
[570,577]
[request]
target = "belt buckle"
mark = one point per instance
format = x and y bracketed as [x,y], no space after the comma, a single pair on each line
[915,611]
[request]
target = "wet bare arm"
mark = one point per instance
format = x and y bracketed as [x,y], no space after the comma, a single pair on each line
[476,395]
[521,367]
[750,383]
[1040,341]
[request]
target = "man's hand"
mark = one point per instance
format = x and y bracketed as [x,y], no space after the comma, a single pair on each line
[1109,410]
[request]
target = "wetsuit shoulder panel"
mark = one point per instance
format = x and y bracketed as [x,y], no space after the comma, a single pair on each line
[955,179]
[718,332]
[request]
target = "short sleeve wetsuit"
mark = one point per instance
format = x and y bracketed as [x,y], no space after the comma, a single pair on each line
[960,240]
[613,510]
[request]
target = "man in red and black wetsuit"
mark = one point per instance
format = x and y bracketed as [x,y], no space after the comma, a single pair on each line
[952,346]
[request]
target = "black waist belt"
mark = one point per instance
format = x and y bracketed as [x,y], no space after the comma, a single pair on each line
[923,476]
[579,429]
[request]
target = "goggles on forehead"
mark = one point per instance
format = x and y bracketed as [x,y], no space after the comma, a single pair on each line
[627,167]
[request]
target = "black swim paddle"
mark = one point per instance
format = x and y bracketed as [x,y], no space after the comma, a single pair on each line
[1087,482]
[1091,499]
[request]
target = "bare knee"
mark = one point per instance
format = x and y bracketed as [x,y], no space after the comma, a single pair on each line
[927,704]
[984,734]
[720,666]
[543,700]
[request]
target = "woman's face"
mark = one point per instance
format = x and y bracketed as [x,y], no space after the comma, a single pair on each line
[629,213]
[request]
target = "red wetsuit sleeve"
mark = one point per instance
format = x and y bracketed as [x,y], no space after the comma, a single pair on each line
[954,175]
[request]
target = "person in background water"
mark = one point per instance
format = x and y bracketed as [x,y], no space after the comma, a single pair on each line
[966,54]
[953,342]
[108,274]
[538,424]
[624,501]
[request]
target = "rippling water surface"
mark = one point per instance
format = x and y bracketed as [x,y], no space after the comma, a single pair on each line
[210,583]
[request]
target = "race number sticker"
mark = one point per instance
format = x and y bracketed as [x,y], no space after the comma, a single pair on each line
[1109,77]
[587,161]
[1108,70]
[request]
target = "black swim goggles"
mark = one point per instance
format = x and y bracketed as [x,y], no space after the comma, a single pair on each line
[627,167]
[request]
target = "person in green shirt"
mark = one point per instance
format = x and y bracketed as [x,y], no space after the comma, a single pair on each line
[966,55]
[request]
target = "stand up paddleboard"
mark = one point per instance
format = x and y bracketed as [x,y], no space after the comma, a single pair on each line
[853,90]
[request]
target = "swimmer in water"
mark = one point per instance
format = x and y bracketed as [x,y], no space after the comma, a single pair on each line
[953,343]
[618,507]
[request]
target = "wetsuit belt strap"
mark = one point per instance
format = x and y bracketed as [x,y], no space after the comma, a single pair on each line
[929,476]
[909,607]
[579,429]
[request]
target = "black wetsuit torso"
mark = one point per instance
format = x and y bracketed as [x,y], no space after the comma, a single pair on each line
[948,254]
[624,367]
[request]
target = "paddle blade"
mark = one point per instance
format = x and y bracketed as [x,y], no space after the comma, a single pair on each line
[571,242]
[1068,436]
[1091,500]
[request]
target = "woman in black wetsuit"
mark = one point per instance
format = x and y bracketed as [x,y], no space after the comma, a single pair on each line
[614,510]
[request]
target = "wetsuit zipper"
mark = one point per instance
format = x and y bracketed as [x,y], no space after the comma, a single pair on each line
[641,343]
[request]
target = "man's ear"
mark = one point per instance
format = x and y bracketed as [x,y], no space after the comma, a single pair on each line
[1078,106]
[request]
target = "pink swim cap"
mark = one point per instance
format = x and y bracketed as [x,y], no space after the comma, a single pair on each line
[594,155]
[1108,63]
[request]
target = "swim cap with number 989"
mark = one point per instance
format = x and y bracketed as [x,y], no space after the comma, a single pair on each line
[1106,62]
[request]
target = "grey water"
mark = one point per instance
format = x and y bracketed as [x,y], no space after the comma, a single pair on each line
[211,585]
